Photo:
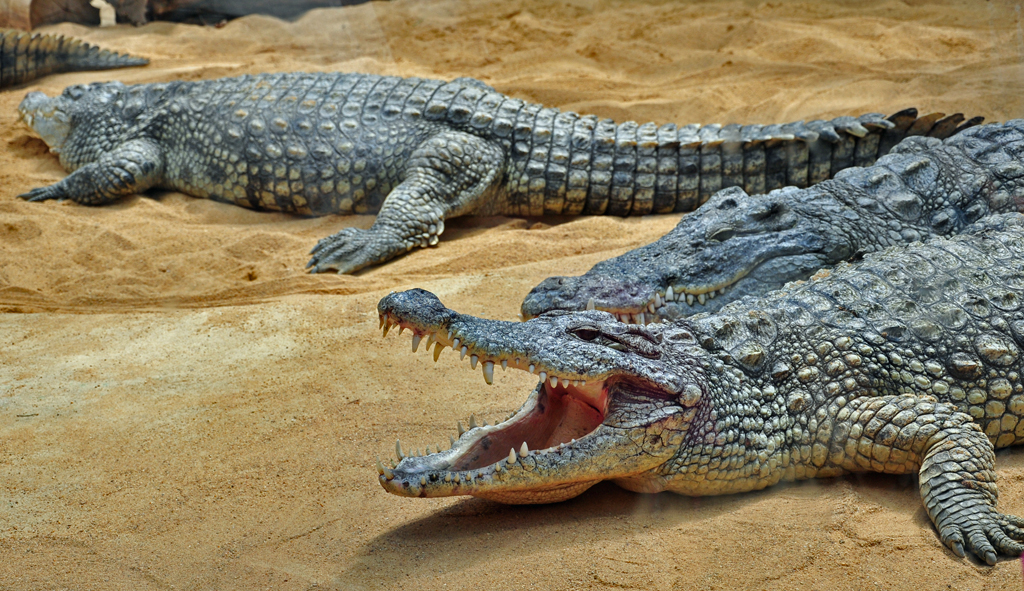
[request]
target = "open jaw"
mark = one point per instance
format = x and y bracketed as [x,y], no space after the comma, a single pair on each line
[513,461]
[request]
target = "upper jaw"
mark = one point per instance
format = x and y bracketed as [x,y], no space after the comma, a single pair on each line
[542,346]
[711,276]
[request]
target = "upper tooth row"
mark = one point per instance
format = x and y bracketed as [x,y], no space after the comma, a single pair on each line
[675,295]
[487,366]
[660,299]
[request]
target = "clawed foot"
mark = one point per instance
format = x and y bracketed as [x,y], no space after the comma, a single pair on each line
[977,528]
[44,193]
[352,249]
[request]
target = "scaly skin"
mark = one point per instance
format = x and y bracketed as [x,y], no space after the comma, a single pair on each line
[907,361]
[27,56]
[419,152]
[739,245]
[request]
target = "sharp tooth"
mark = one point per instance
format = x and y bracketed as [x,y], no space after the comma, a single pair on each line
[504,364]
[423,480]
[565,383]
[416,342]
[512,456]
[721,291]
[625,318]
[497,467]
[484,423]
[426,450]
[388,473]
[462,353]
[455,345]
[460,428]
[533,368]
[590,304]
[451,440]
[448,477]
[517,361]
[520,317]
[634,319]
[690,299]
[387,327]
[401,329]
[380,467]
[643,319]
[657,301]
[543,376]
[449,334]
[701,298]
[398,450]
[524,450]
[472,361]
[669,294]
[472,421]
[489,372]
[650,307]
[554,381]
[438,347]
[712,295]
[430,340]
[381,326]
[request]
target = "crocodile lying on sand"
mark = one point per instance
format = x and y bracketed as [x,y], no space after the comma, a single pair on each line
[421,151]
[907,361]
[27,56]
[739,245]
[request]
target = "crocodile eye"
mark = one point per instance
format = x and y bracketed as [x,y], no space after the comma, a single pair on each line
[722,234]
[586,334]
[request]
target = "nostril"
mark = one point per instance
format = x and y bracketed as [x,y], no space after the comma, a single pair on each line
[729,203]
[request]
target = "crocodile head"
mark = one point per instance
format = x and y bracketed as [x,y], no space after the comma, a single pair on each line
[612,404]
[734,246]
[82,123]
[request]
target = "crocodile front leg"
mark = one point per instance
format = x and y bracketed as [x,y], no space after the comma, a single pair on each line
[445,177]
[898,434]
[133,167]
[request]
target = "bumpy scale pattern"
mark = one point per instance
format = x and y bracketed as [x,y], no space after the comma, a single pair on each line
[910,359]
[342,143]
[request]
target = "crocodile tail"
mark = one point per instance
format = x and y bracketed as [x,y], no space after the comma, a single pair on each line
[763,158]
[27,56]
[632,169]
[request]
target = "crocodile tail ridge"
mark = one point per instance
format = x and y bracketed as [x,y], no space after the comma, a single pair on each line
[28,56]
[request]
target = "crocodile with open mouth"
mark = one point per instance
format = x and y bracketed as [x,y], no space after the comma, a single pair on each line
[420,151]
[740,245]
[906,361]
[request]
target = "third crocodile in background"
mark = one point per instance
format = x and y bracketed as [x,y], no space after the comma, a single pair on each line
[419,152]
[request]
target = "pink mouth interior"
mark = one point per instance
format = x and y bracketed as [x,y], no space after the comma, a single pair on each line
[559,415]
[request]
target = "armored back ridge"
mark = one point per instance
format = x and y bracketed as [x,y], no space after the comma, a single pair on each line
[27,56]
[740,245]
[420,151]
[907,361]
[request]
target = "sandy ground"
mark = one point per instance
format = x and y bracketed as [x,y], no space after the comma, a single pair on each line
[181,406]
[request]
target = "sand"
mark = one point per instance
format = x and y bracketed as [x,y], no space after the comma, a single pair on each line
[182,406]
